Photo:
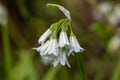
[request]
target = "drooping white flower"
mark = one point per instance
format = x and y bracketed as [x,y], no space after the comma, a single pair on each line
[52,48]
[75,44]
[61,58]
[44,36]
[63,39]
[114,44]
[42,48]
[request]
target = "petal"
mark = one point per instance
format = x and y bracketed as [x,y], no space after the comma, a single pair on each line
[49,48]
[54,50]
[44,46]
[62,59]
[56,62]
[44,36]
[63,39]
[66,39]
[68,63]
[37,49]
[75,44]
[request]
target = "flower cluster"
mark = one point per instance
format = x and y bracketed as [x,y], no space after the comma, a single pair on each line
[58,42]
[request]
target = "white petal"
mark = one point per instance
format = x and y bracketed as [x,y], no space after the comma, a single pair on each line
[63,39]
[44,36]
[54,50]
[44,46]
[61,58]
[75,44]
[37,49]
[69,50]
[55,62]
[51,49]
[68,63]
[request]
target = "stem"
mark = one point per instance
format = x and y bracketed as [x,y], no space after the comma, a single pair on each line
[81,66]
[64,10]
[6,49]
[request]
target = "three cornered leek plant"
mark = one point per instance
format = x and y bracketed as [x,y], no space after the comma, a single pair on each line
[59,41]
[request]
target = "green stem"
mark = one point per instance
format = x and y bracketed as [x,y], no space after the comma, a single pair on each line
[6,49]
[81,66]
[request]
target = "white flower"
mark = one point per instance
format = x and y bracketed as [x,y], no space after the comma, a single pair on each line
[114,44]
[61,58]
[42,48]
[44,36]
[52,48]
[3,14]
[75,44]
[114,17]
[63,39]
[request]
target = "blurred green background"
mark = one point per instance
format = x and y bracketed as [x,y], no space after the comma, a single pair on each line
[96,24]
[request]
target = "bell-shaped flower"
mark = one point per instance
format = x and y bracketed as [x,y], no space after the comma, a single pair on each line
[75,44]
[42,48]
[63,39]
[61,58]
[44,36]
[52,48]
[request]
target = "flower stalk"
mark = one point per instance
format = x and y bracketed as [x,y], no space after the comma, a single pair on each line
[81,66]
[65,11]
[6,49]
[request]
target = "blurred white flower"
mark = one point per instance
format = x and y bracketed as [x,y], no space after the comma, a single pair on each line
[44,36]
[114,44]
[63,39]
[110,11]
[3,15]
[105,8]
[75,44]
[114,17]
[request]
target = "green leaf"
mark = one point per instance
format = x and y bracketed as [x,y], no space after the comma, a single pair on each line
[24,68]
